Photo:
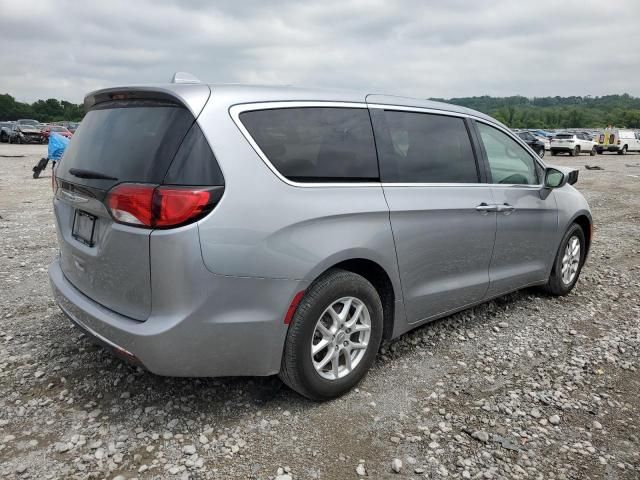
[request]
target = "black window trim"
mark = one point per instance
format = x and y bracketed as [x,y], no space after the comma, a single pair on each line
[517,139]
[378,123]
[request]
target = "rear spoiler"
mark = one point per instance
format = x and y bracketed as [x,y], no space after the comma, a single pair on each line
[192,96]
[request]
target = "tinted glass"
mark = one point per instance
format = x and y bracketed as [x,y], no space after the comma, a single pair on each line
[424,148]
[316,144]
[564,135]
[508,161]
[131,141]
[194,164]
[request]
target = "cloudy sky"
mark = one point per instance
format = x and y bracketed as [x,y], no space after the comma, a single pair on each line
[446,48]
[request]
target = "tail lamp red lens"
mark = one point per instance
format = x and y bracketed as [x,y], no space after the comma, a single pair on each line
[154,206]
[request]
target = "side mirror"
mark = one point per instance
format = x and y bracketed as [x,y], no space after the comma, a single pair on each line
[554,178]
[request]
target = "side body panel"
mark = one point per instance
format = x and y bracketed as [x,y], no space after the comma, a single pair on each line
[443,244]
[266,226]
[525,237]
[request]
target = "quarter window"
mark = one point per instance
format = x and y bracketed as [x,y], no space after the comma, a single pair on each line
[424,148]
[508,162]
[316,144]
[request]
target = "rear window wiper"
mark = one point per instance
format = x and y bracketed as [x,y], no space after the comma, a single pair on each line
[76,172]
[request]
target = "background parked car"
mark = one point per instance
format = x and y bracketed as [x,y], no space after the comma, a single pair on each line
[572,143]
[12,134]
[535,144]
[46,132]
[7,132]
[30,133]
[618,140]
[72,126]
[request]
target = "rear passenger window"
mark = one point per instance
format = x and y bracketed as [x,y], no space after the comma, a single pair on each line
[316,144]
[424,148]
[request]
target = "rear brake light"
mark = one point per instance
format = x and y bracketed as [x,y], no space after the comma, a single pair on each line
[153,206]
[176,206]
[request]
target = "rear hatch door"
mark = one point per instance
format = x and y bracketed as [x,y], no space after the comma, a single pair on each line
[123,140]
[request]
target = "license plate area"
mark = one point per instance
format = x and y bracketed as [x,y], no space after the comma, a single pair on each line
[84,227]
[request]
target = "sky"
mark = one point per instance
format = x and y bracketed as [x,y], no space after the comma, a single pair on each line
[448,48]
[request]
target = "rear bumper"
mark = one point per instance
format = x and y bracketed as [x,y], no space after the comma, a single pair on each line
[608,148]
[237,329]
[568,148]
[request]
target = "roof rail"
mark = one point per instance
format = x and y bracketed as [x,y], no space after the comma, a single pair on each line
[184,77]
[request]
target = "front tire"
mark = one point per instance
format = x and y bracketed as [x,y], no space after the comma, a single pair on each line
[568,262]
[334,336]
[623,151]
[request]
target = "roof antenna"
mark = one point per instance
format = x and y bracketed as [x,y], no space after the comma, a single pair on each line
[184,77]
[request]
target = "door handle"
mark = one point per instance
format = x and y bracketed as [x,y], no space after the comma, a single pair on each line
[483,208]
[506,208]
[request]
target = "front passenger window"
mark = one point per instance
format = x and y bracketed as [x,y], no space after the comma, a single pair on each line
[509,163]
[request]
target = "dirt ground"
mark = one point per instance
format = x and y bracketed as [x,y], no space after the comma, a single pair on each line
[523,387]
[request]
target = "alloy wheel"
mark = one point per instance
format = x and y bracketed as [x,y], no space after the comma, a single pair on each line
[340,338]
[570,260]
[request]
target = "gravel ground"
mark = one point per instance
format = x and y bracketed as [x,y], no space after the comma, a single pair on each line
[524,387]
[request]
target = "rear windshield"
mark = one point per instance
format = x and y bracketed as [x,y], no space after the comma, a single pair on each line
[564,135]
[131,141]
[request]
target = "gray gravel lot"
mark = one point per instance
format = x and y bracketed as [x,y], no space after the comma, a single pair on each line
[524,387]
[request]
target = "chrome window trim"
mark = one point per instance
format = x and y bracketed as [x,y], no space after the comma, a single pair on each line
[465,185]
[237,109]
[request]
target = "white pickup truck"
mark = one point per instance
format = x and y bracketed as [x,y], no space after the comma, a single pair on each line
[573,143]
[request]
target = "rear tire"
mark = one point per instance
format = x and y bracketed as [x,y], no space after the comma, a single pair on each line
[593,152]
[553,153]
[567,265]
[623,151]
[313,325]
[541,153]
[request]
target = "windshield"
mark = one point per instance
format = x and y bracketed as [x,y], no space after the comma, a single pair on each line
[58,129]
[131,141]
[28,123]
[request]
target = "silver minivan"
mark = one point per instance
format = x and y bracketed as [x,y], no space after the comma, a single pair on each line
[215,230]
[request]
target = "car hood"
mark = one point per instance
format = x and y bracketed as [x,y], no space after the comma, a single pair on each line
[29,129]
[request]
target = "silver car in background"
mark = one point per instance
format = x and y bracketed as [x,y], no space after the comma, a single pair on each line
[215,230]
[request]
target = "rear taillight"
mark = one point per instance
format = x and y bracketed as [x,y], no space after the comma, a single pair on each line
[154,206]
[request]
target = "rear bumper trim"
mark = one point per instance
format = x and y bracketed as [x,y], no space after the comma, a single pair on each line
[212,337]
[108,343]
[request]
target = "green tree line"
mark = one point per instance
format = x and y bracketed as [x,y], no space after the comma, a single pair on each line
[516,112]
[50,110]
[558,112]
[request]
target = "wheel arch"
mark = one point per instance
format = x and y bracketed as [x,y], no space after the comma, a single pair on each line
[585,222]
[386,285]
